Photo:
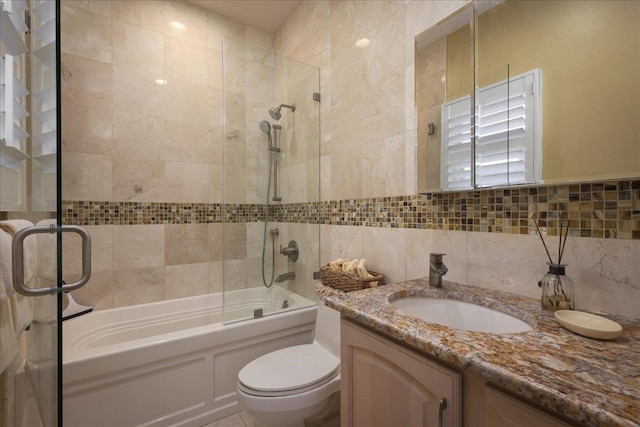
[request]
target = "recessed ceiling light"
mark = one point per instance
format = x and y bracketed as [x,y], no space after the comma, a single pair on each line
[179,26]
[161,82]
[363,42]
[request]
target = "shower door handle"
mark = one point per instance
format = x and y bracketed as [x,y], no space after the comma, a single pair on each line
[17,260]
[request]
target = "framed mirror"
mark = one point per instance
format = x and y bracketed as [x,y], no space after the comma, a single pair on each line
[524,92]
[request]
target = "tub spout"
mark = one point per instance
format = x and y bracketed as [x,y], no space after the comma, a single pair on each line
[437,269]
[291,275]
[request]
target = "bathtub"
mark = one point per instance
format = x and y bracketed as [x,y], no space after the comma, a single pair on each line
[173,363]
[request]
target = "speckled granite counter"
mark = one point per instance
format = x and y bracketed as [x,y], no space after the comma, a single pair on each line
[595,383]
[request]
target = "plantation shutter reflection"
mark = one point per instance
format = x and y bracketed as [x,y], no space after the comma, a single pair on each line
[504,137]
[456,144]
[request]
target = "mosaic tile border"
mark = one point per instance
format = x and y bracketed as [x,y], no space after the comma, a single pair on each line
[144,213]
[606,209]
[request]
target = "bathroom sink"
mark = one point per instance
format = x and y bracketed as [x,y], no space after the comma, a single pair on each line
[461,315]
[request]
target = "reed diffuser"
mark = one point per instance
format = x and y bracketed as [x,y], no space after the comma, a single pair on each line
[557,287]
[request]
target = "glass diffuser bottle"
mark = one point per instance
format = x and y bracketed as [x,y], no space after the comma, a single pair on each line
[557,289]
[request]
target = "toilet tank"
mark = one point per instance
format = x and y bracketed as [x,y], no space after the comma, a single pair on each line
[327,330]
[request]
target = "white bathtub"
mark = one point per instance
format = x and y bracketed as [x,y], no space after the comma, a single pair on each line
[173,362]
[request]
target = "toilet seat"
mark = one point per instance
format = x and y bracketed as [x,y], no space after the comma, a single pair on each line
[289,371]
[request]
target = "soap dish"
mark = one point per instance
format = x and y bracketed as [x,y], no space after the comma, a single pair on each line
[589,325]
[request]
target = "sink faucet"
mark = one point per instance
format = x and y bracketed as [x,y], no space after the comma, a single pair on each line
[437,269]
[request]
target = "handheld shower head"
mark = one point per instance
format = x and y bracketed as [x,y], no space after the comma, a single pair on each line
[266,128]
[275,111]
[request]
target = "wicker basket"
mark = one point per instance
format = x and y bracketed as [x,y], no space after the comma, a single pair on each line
[348,282]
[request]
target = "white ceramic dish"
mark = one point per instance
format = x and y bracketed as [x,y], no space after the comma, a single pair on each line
[589,325]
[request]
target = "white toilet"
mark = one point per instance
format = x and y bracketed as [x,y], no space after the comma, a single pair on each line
[288,386]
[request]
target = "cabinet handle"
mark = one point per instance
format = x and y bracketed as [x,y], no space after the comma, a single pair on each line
[441,408]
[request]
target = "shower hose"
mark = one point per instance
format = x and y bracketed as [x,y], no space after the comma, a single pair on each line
[273,236]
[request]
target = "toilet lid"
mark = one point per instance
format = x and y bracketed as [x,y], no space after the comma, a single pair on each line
[292,368]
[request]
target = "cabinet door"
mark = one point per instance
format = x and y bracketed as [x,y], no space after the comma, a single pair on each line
[503,410]
[384,384]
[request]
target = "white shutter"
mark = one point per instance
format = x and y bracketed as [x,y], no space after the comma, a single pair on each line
[12,26]
[43,106]
[507,140]
[456,144]
[13,111]
[505,137]
[39,116]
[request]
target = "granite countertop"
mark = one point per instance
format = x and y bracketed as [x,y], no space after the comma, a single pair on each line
[593,382]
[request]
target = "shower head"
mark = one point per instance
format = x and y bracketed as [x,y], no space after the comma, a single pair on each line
[275,111]
[265,127]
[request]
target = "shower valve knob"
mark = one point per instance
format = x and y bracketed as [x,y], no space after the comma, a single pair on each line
[290,251]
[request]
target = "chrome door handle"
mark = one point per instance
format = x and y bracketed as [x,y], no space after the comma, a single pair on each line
[17,260]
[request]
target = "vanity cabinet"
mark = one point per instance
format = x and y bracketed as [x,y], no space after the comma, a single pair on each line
[503,410]
[385,384]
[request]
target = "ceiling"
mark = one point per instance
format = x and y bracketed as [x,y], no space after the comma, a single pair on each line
[266,15]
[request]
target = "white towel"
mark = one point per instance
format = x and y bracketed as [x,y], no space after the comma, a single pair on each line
[6,285]
[15,309]
[8,338]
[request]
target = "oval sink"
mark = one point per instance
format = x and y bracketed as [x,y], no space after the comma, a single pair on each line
[461,315]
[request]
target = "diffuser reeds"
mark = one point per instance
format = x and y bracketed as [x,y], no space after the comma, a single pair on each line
[557,288]
[562,241]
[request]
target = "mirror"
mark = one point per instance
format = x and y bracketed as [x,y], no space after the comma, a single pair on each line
[555,96]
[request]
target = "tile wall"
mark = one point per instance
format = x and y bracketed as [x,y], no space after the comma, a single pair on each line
[135,168]
[142,125]
[367,119]
[608,209]
[144,102]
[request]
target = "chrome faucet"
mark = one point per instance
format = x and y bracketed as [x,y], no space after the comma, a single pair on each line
[437,269]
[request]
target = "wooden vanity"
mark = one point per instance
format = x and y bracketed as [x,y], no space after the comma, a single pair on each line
[387,384]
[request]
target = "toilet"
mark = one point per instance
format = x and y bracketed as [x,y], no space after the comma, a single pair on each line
[292,385]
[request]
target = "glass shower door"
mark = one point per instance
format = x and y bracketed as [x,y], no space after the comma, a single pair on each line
[30,210]
[271,162]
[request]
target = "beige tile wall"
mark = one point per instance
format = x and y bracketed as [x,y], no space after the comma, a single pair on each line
[125,136]
[367,119]
[128,138]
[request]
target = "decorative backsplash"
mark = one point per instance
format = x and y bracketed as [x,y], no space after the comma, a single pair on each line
[606,209]
[139,213]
